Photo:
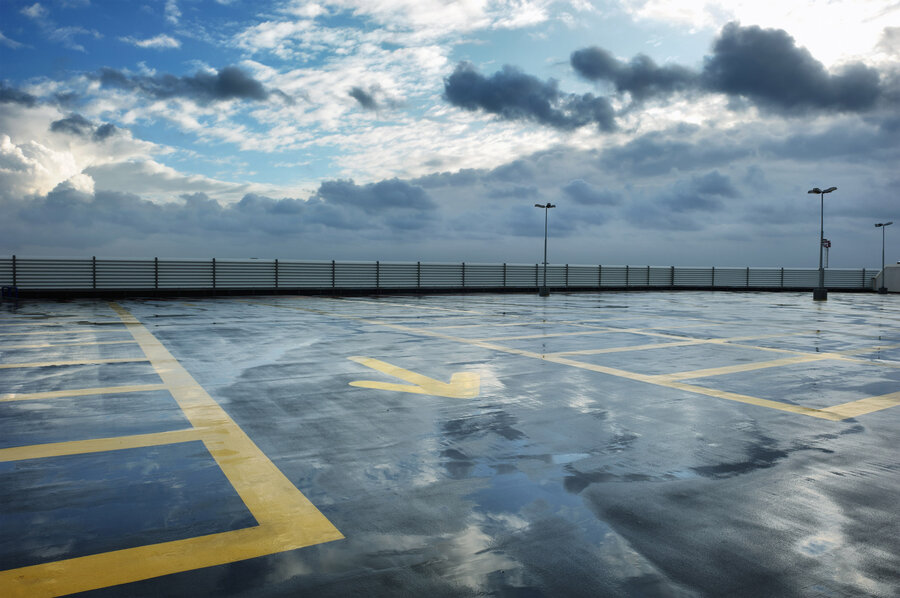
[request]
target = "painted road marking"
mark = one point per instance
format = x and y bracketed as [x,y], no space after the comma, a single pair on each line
[74,331]
[287,519]
[94,361]
[463,385]
[83,392]
[70,344]
[834,413]
[96,445]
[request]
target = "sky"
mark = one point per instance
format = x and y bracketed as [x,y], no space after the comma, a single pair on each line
[665,132]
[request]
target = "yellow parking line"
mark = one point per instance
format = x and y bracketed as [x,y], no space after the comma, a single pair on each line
[75,331]
[81,392]
[7,323]
[94,361]
[743,367]
[864,406]
[286,518]
[631,348]
[548,335]
[96,445]
[75,344]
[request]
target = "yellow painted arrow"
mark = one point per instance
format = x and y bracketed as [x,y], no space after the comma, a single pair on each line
[463,385]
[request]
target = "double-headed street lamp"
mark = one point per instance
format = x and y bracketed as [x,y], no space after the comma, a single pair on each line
[546,207]
[882,225]
[820,294]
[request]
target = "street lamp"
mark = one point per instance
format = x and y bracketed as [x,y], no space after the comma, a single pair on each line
[820,294]
[882,225]
[546,207]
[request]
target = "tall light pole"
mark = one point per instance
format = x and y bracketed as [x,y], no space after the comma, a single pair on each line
[882,225]
[546,207]
[820,294]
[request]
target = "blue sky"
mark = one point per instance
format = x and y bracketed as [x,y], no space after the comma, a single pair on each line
[667,132]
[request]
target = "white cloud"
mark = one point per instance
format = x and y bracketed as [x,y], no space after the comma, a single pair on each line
[172,12]
[9,43]
[35,11]
[159,41]
[835,31]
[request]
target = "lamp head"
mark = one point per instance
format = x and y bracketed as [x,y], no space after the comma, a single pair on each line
[829,190]
[815,190]
[551,205]
[537,205]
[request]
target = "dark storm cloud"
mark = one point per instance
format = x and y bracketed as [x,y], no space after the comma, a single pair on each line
[659,153]
[230,83]
[76,124]
[588,195]
[365,99]
[641,77]
[11,95]
[514,95]
[765,66]
[372,198]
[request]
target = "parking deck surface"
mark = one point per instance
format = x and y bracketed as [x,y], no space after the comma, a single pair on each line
[614,444]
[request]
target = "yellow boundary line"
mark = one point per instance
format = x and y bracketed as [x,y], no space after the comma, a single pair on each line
[287,519]
[94,361]
[82,392]
[72,344]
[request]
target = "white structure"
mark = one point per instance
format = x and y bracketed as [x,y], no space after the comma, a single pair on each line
[891,279]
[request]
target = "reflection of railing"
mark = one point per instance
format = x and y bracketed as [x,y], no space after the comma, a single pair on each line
[34,276]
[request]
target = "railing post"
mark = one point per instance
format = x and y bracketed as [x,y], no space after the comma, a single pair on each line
[713,283]
[214,274]
[155,273]
[464,275]
[626,276]
[672,277]
[15,282]
[332,274]
[276,272]
[94,272]
[648,276]
[748,277]
[782,277]
[567,276]
[599,275]
[536,284]
[377,274]
[418,275]
[504,275]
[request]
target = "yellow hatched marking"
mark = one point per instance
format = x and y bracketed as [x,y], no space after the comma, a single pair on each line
[833,413]
[81,392]
[287,520]
[94,361]
[96,445]
[73,344]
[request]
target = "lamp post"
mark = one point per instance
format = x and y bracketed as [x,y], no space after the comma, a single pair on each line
[819,293]
[546,207]
[882,225]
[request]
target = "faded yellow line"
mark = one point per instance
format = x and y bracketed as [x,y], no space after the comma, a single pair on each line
[75,344]
[95,361]
[629,348]
[548,335]
[81,392]
[864,406]
[743,367]
[778,405]
[96,445]
[75,331]
[53,323]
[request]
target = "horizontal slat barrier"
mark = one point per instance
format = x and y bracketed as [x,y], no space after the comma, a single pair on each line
[66,274]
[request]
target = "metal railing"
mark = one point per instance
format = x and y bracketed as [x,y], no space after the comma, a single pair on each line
[36,276]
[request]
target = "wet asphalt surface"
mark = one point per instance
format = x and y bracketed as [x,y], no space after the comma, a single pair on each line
[555,480]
